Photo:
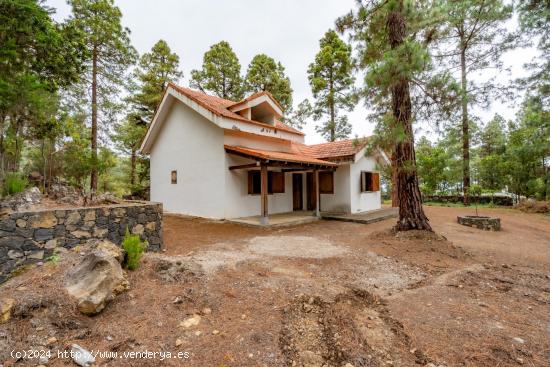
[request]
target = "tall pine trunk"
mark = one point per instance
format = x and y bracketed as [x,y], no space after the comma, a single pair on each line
[465,130]
[332,112]
[133,168]
[93,178]
[394,192]
[411,214]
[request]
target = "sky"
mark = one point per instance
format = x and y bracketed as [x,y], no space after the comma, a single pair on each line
[287,30]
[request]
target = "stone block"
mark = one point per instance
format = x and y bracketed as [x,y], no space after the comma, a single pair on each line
[7,225]
[43,220]
[73,218]
[21,223]
[43,234]
[81,234]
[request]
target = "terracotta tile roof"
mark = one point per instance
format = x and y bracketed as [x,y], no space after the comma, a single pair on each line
[276,156]
[334,149]
[282,125]
[258,94]
[219,106]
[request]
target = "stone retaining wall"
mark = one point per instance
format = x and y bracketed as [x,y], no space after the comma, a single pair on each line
[27,237]
[485,223]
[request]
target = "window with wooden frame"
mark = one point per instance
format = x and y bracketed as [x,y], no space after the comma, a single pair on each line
[275,182]
[326,182]
[174,177]
[370,181]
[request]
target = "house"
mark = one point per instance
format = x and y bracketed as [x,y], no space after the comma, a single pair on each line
[215,158]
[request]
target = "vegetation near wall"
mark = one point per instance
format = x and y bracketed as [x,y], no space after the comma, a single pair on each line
[29,237]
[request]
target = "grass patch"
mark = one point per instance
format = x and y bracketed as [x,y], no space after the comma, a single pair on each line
[54,259]
[14,183]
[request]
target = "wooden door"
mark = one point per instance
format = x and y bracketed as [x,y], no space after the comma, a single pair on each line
[297,191]
[311,190]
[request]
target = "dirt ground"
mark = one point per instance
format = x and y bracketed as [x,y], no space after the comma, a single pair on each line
[321,294]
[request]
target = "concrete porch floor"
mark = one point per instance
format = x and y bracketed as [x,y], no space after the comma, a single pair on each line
[278,220]
[301,217]
[364,217]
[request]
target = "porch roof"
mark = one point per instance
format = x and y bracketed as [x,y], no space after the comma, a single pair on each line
[280,157]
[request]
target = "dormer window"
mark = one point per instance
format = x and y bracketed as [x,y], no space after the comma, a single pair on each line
[261,107]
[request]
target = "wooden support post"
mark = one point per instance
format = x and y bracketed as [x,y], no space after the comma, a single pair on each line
[317,194]
[263,197]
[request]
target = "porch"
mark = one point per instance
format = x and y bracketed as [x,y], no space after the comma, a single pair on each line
[279,219]
[286,183]
[364,217]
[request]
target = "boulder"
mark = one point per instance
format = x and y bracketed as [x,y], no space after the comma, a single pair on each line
[6,305]
[95,281]
[108,248]
[21,201]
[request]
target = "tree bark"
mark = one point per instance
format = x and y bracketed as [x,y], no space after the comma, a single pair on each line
[394,192]
[411,213]
[465,130]
[93,177]
[133,168]
[332,112]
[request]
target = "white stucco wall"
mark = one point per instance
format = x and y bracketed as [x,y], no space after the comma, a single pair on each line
[193,146]
[362,201]
[238,203]
[338,202]
[256,142]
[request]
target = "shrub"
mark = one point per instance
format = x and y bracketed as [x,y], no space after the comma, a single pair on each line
[134,248]
[14,183]
[532,206]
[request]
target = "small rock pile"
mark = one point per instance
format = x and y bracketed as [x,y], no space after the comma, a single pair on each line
[102,199]
[65,194]
[22,201]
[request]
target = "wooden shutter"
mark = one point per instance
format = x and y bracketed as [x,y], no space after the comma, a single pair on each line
[375,177]
[276,182]
[326,182]
[370,181]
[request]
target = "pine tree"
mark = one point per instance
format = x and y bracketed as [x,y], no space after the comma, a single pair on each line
[265,74]
[528,150]
[111,53]
[331,80]
[473,39]
[299,116]
[220,73]
[534,16]
[432,161]
[387,33]
[39,56]
[155,70]
[491,166]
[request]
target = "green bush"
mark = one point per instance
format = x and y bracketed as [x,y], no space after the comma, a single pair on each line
[134,248]
[14,183]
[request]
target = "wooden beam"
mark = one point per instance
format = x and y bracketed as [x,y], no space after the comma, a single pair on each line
[317,194]
[263,197]
[296,169]
[244,166]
